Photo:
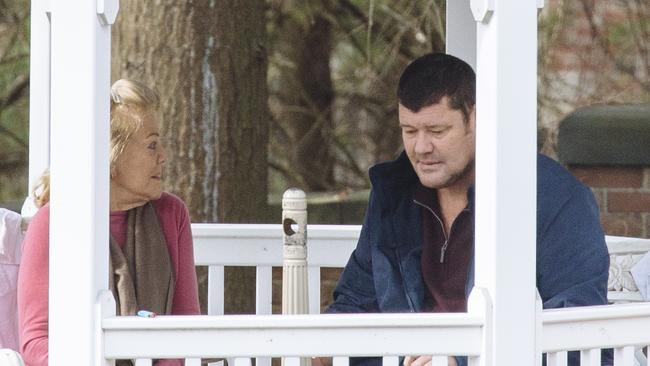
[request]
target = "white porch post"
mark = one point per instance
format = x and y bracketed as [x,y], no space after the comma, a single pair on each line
[79,178]
[39,91]
[506,173]
[460,37]
[295,280]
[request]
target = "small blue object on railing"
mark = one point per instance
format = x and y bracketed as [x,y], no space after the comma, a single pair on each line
[146,314]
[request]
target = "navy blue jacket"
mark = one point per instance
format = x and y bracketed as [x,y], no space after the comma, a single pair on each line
[383,273]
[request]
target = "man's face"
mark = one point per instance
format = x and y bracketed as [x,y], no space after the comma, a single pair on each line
[439,143]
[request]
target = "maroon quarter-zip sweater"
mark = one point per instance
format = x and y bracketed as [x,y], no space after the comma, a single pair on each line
[445,257]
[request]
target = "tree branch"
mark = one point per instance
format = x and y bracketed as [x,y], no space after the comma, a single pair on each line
[14,58]
[12,161]
[603,43]
[357,13]
[352,163]
[15,91]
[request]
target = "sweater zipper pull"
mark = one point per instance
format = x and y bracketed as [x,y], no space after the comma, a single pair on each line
[443,250]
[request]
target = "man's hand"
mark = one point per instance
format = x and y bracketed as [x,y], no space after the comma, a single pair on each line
[425,361]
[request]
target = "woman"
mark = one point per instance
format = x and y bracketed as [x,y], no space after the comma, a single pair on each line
[151,251]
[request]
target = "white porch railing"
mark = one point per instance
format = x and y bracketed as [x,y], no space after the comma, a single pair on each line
[242,336]
[586,329]
[260,246]
[386,335]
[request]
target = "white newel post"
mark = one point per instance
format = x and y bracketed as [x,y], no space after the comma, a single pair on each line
[80,82]
[506,173]
[294,266]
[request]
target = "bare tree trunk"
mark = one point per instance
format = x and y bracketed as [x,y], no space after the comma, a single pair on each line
[208,62]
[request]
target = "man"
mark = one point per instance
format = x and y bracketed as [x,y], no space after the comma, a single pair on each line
[415,251]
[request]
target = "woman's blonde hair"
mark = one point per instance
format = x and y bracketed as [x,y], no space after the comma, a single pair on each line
[41,190]
[131,101]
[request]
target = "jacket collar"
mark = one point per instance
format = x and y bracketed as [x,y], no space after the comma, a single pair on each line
[395,185]
[393,180]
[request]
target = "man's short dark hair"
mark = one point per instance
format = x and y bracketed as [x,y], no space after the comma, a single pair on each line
[429,78]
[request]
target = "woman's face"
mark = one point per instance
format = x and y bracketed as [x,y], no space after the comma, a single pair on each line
[137,175]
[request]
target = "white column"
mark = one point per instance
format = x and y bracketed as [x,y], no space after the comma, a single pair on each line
[506,172]
[39,91]
[294,266]
[460,36]
[79,176]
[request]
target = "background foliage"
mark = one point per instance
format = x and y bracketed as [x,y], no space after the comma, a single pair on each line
[14,87]
[332,69]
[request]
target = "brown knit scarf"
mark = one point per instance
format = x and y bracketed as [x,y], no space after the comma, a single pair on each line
[141,275]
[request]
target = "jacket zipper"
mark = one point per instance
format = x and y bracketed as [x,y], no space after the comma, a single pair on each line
[408,297]
[442,225]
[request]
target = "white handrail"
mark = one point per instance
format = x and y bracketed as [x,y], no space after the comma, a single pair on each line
[627,245]
[261,244]
[293,335]
[591,327]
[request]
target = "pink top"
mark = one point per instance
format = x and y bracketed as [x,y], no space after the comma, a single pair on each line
[33,277]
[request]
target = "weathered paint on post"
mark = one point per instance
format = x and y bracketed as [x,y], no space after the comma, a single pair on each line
[294,266]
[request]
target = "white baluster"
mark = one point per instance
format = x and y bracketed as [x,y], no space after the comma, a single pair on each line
[590,357]
[215,290]
[474,361]
[390,361]
[624,356]
[314,289]
[216,294]
[192,362]
[557,358]
[263,300]
[291,361]
[641,358]
[263,290]
[439,361]
[143,362]
[340,361]
[242,361]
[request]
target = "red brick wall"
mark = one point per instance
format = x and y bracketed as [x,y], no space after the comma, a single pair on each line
[623,194]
